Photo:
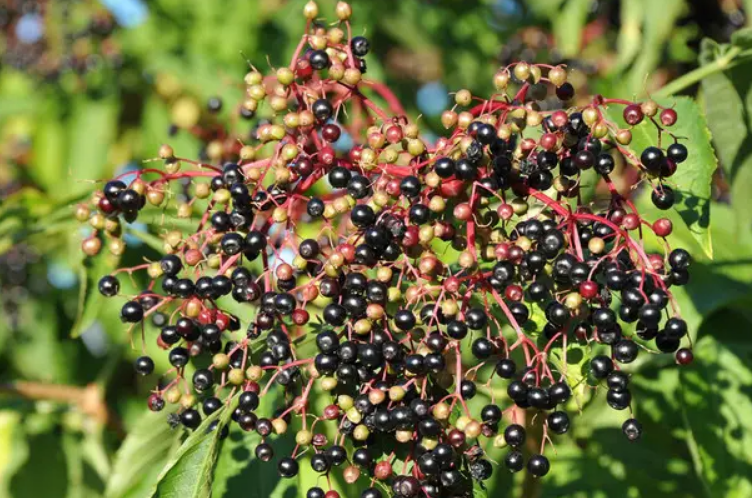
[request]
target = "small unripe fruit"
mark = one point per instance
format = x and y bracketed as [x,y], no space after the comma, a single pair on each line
[91,246]
[343,11]
[649,108]
[303,437]
[311,10]
[522,71]
[448,119]
[557,76]
[463,97]
[279,425]
[501,80]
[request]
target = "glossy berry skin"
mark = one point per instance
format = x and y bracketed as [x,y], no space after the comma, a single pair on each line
[132,312]
[322,109]
[265,452]
[601,366]
[320,463]
[179,357]
[144,365]
[505,368]
[109,286]
[684,356]
[445,167]
[190,418]
[677,152]
[371,493]
[538,465]
[619,400]
[514,461]
[360,46]
[319,60]
[288,467]
[410,186]
[315,208]
[663,197]
[617,381]
[315,492]
[632,429]
[679,259]
[625,351]
[514,435]
[559,393]
[248,401]
[558,422]
[203,379]
[651,158]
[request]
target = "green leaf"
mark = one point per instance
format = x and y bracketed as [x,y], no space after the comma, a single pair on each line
[190,472]
[240,474]
[89,299]
[14,448]
[727,104]
[742,38]
[717,410]
[141,456]
[35,342]
[569,24]
[45,472]
[730,269]
[692,180]
[49,152]
[93,127]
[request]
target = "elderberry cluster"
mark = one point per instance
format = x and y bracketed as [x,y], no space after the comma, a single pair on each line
[429,292]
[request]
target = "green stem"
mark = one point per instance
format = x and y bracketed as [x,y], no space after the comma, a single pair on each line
[689,79]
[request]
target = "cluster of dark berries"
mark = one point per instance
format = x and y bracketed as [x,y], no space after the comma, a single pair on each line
[363,275]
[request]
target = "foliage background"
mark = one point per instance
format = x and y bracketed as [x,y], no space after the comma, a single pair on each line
[72,352]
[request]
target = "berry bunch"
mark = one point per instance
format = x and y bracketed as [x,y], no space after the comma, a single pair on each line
[373,276]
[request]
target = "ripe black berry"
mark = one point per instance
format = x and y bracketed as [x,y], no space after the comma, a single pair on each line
[538,465]
[360,46]
[132,312]
[601,366]
[514,461]
[322,109]
[109,286]
[632,429]
[558,422]
[514,435]
[144,365]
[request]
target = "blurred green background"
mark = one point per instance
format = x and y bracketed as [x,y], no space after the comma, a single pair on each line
[89,89]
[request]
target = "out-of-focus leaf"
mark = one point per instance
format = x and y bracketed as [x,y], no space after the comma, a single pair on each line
[728,103]
[35,342]
[45,472]
[83,482]
[692,180]
[93,126]
[49,154]
[569,23]
[141,456]
[658,24]
[190,472]
[717,407]
[89,298]
[14,448]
